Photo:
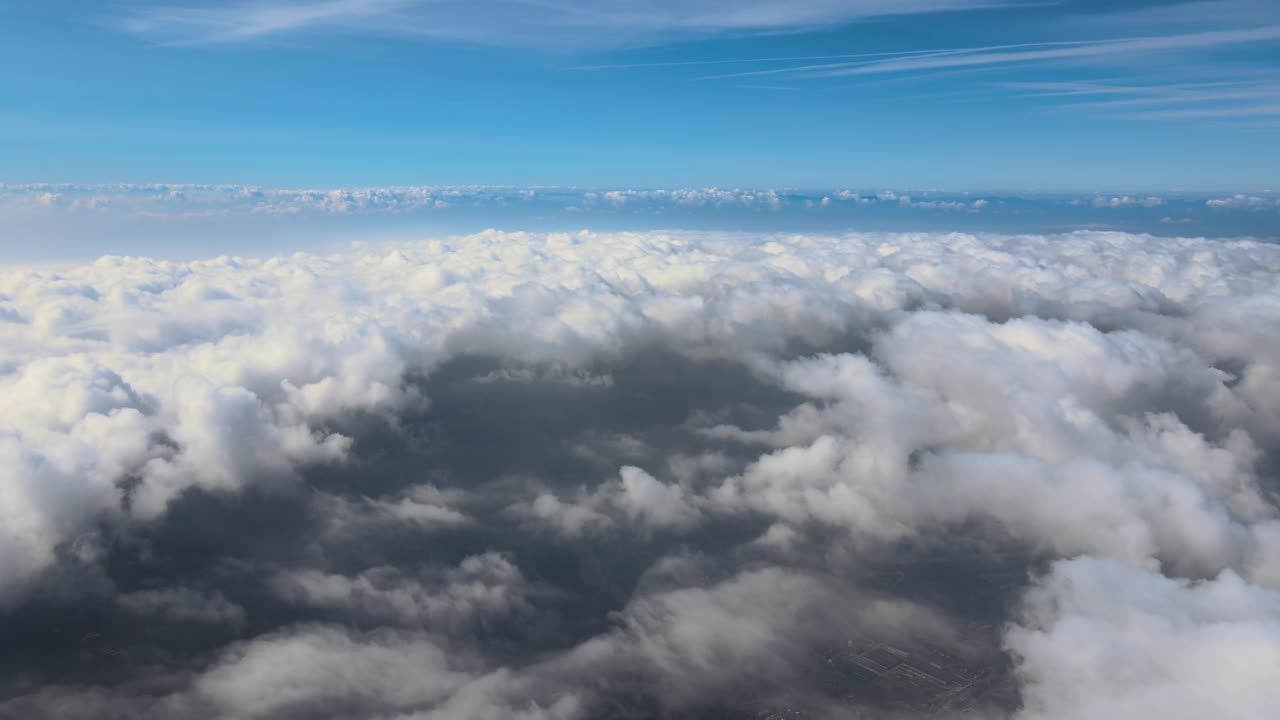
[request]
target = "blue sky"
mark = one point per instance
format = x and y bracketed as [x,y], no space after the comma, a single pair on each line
[961,95]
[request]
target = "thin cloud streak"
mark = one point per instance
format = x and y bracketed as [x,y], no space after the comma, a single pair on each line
[1224,112]
[991,56]
[247,22]
[942,52]
[1073,89]
[736,61]
[896,54]
[1228,99]
[1183,101]
[516,22]
[1183,97]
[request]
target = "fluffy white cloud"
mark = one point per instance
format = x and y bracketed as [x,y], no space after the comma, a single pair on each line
[315,667]
[636,498]
[424,507]
[1102,639]
[1124,201]
[216,373]
[692,197]
[974,206]
[1247,202]
[1103,395]
[481,587]
[211,201]
[1043,427]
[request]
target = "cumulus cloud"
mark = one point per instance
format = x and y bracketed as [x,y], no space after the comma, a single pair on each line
[1125,201]
[482,587]
[182,604]
[714,197]
[426,507]
[976,205]
[636,497]
[587,474]
[1248,202]
[315,667]
[1144,645]
[146,219]
[209,201]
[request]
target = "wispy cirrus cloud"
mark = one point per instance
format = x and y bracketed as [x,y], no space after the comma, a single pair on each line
[1246,98]
[1169,42]
[1012,55]
[1271,110]
[1175,93]
[511,22]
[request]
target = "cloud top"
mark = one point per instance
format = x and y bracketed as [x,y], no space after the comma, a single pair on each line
[557,475]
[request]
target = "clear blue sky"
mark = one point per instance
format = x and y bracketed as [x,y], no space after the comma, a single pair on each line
[1099,96]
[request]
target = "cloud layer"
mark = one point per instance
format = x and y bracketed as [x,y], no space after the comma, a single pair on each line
[70,222]
[576,475]
[176,201]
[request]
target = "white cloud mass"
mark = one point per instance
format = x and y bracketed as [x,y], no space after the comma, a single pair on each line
[1106,403]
